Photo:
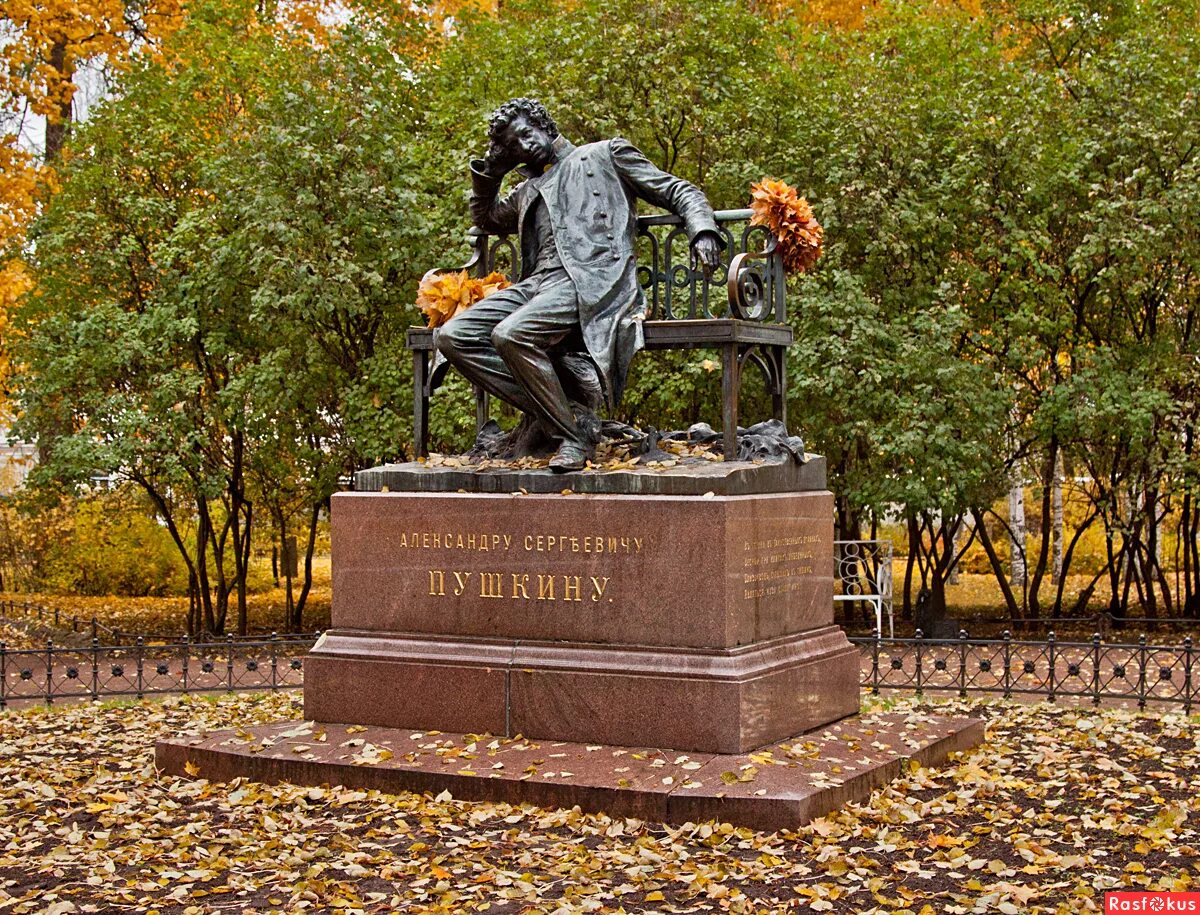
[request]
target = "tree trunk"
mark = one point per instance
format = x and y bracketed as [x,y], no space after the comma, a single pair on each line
[849,521]
[281,568]
[1127,566]
[203,535]
[935,558]
[985,540]
[914,536]
[193,618]
[1062,579]
[1191,556]
[1039,571]
[1149,558]
[224,588]
[1085,597]
[1189,524]
[58,124]
[1016,534]
[1112,520]
[240,509]
[309,548]
[164,512]
[242,566]
[1056,569]
[952,577]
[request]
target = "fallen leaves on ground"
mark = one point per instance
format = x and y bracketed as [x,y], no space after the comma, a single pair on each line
[15,636]
[167,616]
[1058,806]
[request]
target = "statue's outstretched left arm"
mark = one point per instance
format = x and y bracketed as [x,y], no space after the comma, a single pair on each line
[673,194]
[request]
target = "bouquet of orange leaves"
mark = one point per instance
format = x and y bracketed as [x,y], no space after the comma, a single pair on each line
[777,206]
[443,295]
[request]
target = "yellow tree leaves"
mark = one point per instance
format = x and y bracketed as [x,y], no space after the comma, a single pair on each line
[50,39]
[14,283]
[18,189]
[18,203]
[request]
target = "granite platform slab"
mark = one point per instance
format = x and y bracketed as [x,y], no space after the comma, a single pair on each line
[781,786]
[723,478]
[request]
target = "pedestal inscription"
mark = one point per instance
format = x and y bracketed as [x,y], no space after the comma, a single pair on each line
[642,570]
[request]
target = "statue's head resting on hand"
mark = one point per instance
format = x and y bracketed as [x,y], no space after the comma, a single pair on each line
[521,132]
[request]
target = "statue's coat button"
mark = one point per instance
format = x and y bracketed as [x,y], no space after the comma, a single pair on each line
[590,173]
[596,194]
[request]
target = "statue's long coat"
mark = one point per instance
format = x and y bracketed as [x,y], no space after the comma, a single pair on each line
[590,195]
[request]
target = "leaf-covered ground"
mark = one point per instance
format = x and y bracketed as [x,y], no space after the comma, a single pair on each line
[16,635]
[156,616]
[1060,805]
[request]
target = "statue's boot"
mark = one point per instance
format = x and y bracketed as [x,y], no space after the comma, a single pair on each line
[570,456]
[574,454]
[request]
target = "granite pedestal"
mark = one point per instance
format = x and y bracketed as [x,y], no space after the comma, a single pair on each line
[699,622]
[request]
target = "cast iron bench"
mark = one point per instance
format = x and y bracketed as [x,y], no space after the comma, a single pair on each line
[741,311]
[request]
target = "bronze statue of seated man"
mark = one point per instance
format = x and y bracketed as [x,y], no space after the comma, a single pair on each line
[558,343]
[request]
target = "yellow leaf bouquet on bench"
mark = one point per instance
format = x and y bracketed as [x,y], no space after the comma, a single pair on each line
[781,209]
[443,294]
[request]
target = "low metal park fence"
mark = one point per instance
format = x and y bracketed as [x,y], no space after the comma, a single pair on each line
[1108,625]
[27,612]
[1094,670]
[141,668]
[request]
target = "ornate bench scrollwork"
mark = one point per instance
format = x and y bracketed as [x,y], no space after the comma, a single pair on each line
[747,286]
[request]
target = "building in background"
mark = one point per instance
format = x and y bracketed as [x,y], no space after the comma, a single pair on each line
[16,460]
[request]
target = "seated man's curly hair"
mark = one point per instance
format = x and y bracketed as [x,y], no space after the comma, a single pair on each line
[535,112]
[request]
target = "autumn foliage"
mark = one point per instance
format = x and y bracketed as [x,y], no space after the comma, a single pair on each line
[777,206]
[1009,199]
[14,283]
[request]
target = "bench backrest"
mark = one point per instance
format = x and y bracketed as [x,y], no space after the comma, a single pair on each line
[673,290]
